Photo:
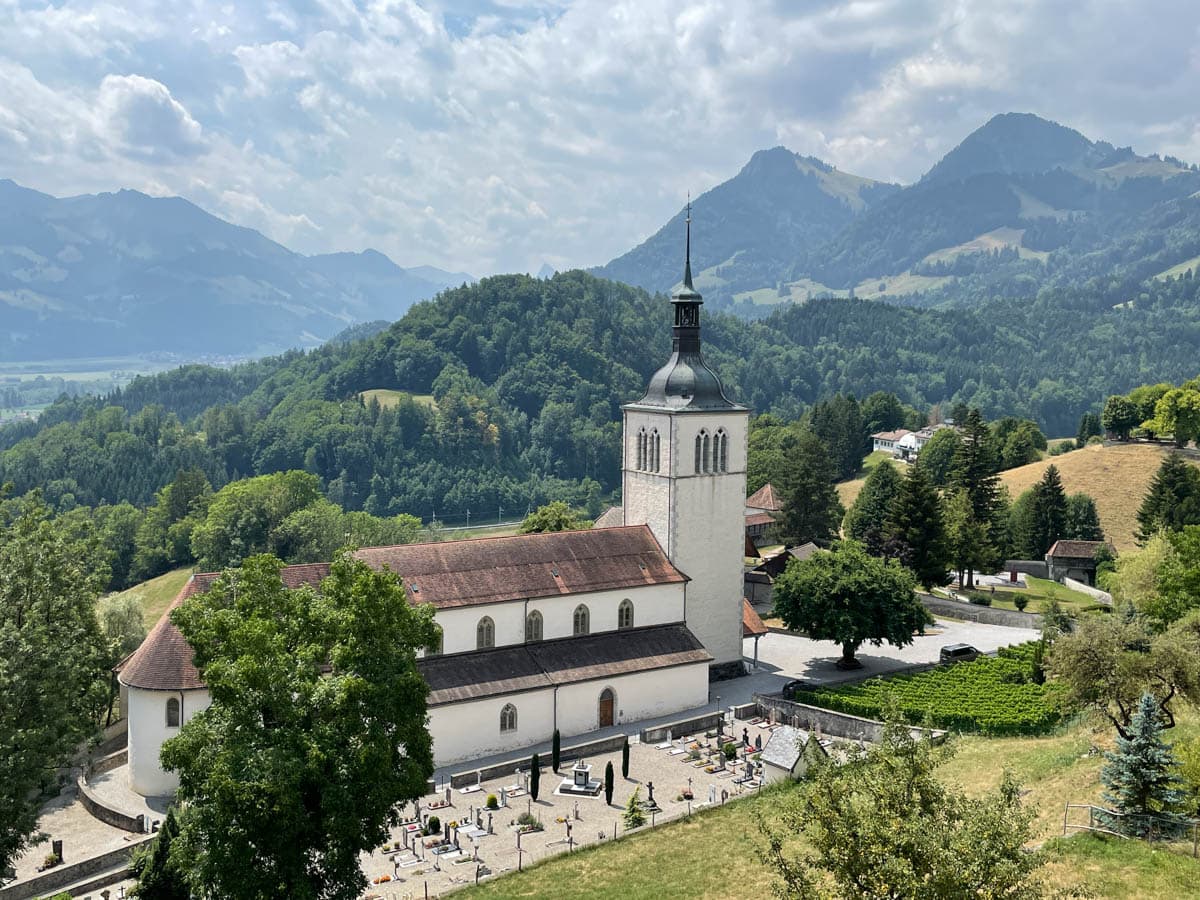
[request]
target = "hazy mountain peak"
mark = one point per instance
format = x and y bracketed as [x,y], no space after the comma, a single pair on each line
[1017,143]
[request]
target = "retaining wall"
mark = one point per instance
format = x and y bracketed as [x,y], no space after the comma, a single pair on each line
[107,814]
[698,724]
[508,767]
[1095,593]
[986,615]
[108,763]
[825,721]
[113,864]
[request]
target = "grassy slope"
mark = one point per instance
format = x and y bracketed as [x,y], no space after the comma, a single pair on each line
[1116,477]
[388,398]
[156,594]
[713,855]
[848,491]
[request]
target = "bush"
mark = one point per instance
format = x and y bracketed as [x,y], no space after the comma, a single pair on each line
[730,750]
[493,802]
[433,826]
[1061,447]
[528,820]
[1020,603]
[994,696]
[979,598]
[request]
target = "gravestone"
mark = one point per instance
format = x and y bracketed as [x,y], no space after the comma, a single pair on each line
[712,795]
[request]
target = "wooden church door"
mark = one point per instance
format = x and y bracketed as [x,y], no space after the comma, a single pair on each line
[606,707]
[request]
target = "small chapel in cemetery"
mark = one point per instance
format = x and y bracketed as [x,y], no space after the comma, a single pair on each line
[573,631]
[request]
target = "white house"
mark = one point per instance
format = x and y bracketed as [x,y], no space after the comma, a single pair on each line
[886,440]
[572,631]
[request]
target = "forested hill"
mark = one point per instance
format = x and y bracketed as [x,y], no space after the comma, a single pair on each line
[507,393]
[1020,205]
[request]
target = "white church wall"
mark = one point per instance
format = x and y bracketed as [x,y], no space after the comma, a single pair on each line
[463,731]
[642,695]
[460,625]
[148,730]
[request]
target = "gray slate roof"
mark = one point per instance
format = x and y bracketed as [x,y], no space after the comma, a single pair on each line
[784,747]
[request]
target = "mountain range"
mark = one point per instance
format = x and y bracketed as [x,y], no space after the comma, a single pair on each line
[123,274]
[1021,204]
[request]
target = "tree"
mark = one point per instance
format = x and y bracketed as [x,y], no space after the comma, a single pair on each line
[885,825]
[838,422]
[966,538]
[556,516]
[1047,512]
[1089,427]
[868,517]
[937,456]
[882,411]
[1082,521]
[1120,416]
[1018,450]
[609,782]
[811,508]
[1172,500]
[122,629]
[974,467]
[915,532]
[625,758]
[535,776]
[1177,581]
[1139,777]
[555,750]
[159,877]
[1177,413]
[1108,662]
[53,683]
[634,816]
[316,733]
[1135,581]
[849,597]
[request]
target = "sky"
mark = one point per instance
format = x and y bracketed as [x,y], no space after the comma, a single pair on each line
[500,135]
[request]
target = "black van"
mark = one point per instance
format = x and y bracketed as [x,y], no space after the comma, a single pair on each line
[958,653]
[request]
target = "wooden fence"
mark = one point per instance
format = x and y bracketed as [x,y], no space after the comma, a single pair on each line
[1150,827]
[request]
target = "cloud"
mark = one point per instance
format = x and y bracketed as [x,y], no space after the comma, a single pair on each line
[490,135]
[140,115]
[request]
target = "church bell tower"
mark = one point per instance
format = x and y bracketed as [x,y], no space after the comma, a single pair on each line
[684,475]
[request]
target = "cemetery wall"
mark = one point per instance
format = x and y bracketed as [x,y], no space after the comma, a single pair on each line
[694,725]
[71,872]
[510,766]
[107,814]
[957,609]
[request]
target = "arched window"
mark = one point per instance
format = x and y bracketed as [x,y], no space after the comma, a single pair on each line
[625,614]
[706,455]
[173,712]
[655,450]
[582,620]
[508,718]
[721,451]
[641,450]
[700,439]
[533,626]
[485,634]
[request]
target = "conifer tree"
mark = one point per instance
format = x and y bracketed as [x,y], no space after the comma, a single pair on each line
[625,758]
[158,876]
[535,776]
[1047,513]
[974,467]
[868,518]
[811,509]
[915,532]
[1083,522]
[1139,776]
[555,750]
[1173,499]
[609,782]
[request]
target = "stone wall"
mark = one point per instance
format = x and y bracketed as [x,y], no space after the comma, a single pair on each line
[825,721]
[107,814]
[108,763]
[1095,593]
[510,766]
[696,725]
[958,609]
[114,864]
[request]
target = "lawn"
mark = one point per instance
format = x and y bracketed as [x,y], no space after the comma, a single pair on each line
[714,853]
[389,398]
[1038,591]
[848,491]
[156,594]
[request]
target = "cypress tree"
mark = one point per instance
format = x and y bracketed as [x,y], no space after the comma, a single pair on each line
[555,751]
[625,758]
[915,533]
[1139,776]
[535,776]
[867,519]
[609,781]
[1173,499]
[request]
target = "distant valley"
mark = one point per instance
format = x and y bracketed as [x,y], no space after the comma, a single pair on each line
[126,274]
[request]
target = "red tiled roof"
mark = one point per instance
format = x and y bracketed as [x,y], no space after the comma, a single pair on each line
[764,498]
[752,623]
[164,660]
[762,518]
[1077,549]
[890,435]
[489,570]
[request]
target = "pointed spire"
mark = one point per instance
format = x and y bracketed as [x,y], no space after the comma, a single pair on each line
[687,264]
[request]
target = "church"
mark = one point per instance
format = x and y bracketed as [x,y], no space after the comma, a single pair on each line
[572,631]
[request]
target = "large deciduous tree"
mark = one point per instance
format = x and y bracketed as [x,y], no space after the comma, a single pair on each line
[1120,416]
[868,517]
[315,735]
[556,516]
[53,683]
[915,532]
[885,825]
[937,456]
[850,597]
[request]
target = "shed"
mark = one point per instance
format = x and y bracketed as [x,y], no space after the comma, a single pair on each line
[788,753]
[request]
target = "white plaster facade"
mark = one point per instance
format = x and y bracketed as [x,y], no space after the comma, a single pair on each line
[698,517]
[148,730]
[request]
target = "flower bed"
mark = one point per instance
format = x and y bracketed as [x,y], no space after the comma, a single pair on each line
[994,696]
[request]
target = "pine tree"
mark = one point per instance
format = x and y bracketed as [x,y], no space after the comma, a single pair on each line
[158,876]
[1047,513]
[915,533]
[868,517]
[1173,499]
[974,467]
[811,509]
[535,776]
[1083,522]
[1139,776]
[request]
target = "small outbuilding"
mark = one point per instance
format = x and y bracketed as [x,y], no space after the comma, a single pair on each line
[1073,559]
[789,753]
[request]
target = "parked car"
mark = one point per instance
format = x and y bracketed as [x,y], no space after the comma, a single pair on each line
[958,653]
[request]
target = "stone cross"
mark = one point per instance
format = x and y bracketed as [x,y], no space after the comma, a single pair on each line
[490,824]
[650,788]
